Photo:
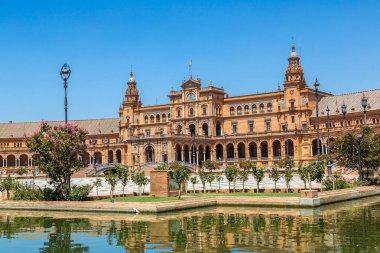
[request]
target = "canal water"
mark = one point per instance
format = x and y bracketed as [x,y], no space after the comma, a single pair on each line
[344,227]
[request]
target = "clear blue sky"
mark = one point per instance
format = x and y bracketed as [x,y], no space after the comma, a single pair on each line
[240,45]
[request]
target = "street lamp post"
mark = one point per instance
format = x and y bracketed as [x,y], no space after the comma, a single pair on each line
[359,138]
[316,85]
[93,142]
[364,105]
[344,111]
[65,74]
[329,171]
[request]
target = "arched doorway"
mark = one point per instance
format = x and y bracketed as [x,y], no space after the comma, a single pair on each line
[208,153]
[192,129]
[178,153]
[1,161]
[264,150]
[149,154]
[98,158]
[11,161]
[218,129]
[86,159]
[276,146]
[219,152]
[118,156]
[24,160]
[200,155]
[252,151]
[315,146]
[289,148]
[186,153]
[110,156]
[230,152]
[241,150]
[205,129]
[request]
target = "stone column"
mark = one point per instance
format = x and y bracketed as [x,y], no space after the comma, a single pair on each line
[182,154]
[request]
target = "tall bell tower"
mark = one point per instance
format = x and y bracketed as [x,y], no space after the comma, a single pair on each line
[294,73]
[132,93]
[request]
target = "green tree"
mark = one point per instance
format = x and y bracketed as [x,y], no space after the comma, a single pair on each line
[97,184]
[288,175]
[193,181]
[243,177]
[231,173]
[286,162]
[315,171]
[112,179]
[345,149]
[209,165]
[247,165]
[210,178]
[123,174]
[275,176]
[8,184]
[56,152]
[203,178]
[258,174]
[218,178]
[139,178]
[181,174]
[161,167]
[303,173]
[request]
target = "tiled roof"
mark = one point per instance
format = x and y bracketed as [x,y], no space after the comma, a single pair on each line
[352,101]
[93,126]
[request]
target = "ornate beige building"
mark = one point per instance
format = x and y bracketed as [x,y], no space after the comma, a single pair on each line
[204,123]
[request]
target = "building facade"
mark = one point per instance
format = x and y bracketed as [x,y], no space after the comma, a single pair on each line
[204,123]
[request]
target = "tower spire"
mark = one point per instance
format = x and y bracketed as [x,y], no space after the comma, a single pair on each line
[294,72]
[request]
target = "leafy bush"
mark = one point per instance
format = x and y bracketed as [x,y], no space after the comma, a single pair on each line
[21,171]
[76,193]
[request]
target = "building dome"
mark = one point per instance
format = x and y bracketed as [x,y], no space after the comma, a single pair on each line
[293,54]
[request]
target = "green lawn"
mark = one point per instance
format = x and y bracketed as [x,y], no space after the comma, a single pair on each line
[141,199]
[199,195]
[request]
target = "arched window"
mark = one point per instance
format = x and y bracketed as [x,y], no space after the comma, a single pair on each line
[191,112]
[190,97]
[232,111]
[269,106]
[163,117]
[158,118]
[178,113]
[254,109]
[179,129]
[246,109]
[261,107]
[151,119]
[146,119]
[239,110]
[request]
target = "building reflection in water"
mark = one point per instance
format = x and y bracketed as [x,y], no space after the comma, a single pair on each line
[351,228]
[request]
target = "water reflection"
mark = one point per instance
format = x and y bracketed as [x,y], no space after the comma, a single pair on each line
[349,227]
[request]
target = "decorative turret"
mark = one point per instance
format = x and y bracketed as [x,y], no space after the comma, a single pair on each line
[132,93]
[294,72]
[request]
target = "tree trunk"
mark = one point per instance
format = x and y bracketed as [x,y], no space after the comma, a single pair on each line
[308,175]
[287,186]
[243,187]
[229,186]
[97,191]
[304,183]
[179,192]
[193,188]
[219,187]
[210,186]
[111,192]
[204,187]
[123,191]
[275,186]
[234,186]
[258,188]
